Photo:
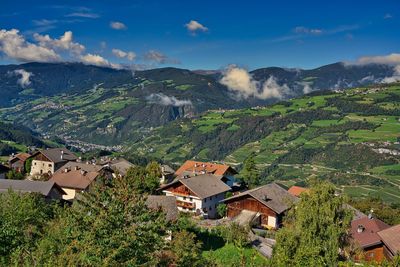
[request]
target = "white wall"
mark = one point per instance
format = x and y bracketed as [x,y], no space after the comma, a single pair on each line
[42,167]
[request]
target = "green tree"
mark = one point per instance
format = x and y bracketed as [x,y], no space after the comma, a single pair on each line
[186,249]
[222,209]
[145,179]
[315,230]
[235,234]
[14,175]
[23,218]
[28,165]
[250,173]
[108,226]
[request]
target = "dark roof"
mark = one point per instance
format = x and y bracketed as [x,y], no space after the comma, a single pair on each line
[271,195]
[3,168]
[27,186]
[356,213]
[391,238]
[76,179]
[203,186]
[57,155]
[166,203]
[368,237]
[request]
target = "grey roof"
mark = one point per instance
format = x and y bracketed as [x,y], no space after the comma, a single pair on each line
[167,169]
[356,213]
[271,195]
[166,203]
[82,166]
[205,185]
[26,186]
[54,154]
[121,165]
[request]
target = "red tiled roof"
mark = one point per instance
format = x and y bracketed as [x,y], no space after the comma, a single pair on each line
[368,237]
[391,238]
[297,190]
[197,167]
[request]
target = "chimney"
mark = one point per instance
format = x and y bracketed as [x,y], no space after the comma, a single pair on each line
[62,154]
[360,228]
[162,169]
[371,214]
[83,172]
[66,170]
[76,168]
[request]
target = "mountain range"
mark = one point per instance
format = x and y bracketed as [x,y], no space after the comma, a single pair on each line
[109,106]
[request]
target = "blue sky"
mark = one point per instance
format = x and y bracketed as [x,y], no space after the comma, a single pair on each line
[249,33]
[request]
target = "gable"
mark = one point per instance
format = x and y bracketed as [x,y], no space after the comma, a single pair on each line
[247,202]
[40,156]
[179,189]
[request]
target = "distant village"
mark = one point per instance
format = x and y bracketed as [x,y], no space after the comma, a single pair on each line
[195,187]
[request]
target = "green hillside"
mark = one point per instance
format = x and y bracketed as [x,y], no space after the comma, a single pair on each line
[350,138]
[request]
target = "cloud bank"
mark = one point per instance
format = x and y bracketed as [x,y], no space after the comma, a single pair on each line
[24,80]
[165,100]
[242,83]
[158,57]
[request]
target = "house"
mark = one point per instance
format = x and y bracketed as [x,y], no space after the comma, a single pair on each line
[17,162]
[266,203]
[198,194]
[166,203]
[167,174]
[391,241]
[3,171]
[193,168]
[297,190]
[120,166]
[364,232]
[77,179]
[104,171]
[48,189]
[50,160]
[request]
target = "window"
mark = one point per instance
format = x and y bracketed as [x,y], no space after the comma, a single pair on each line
[34,163]
[184,198]
[210,208]
[210,198]
[205,200]
[50,165]
[191,199]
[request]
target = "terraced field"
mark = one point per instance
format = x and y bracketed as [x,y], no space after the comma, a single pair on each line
[350,138]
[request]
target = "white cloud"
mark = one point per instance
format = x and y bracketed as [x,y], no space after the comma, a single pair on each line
[194,26]
[83,15]
[388,16]
[14,46]
[116,25]
[304,30]
[165,100]
[24,80]
[65,42]
[159,57]
[98,60]
[241,82]
[122,54]
[395,77]
[306,87]
[391,59]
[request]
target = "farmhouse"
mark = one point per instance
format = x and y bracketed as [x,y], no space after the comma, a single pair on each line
[198,194]
[49,190]
[50,160]
[119,166]
[17,162]
[77,179]
[364,232]
[391,241]
[192,168]
[267,203]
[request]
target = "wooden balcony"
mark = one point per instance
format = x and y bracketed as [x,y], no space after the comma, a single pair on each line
[183,204]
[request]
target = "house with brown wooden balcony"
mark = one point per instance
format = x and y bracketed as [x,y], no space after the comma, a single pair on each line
[199,194]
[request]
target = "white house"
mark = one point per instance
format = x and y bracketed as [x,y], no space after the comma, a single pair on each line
[198,194]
